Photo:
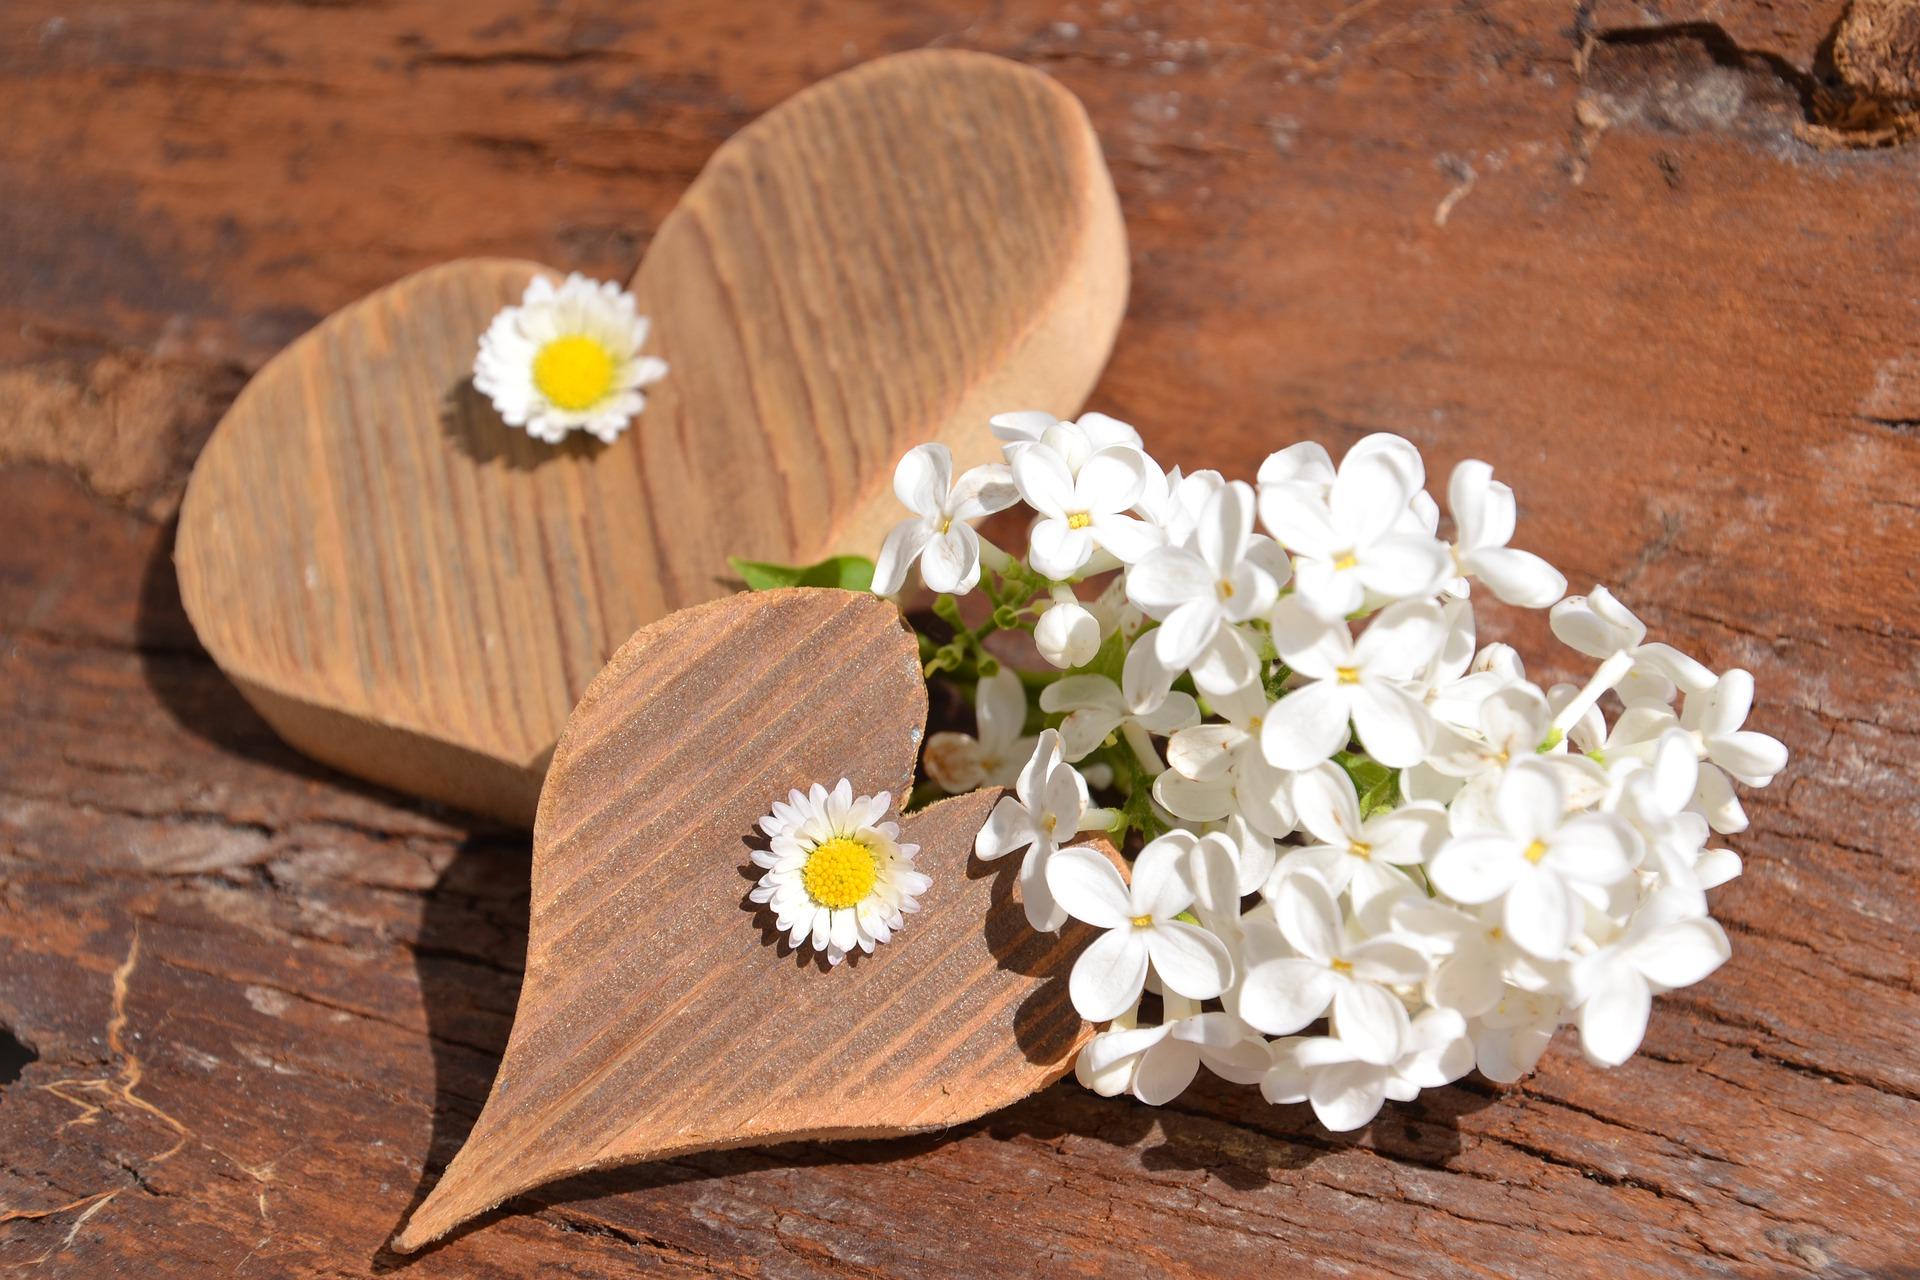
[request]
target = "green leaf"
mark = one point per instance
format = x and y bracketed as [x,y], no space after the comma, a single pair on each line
[848,573]
[1377,786]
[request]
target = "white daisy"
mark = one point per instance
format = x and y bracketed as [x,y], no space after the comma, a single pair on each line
[837,876]
[567,359]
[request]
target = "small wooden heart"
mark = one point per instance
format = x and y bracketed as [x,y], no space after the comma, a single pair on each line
[661,1013]
[415,593]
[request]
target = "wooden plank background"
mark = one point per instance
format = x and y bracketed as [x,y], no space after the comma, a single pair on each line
[252,1007]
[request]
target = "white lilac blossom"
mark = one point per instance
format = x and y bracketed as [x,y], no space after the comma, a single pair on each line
[1365,682]
[1082,510]
[1049,807]
[937,535]
[1368,853]
[1143,930]
[1483,518]
[567,359]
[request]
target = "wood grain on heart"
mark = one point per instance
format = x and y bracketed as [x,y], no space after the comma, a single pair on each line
[661,1012]
[413,592]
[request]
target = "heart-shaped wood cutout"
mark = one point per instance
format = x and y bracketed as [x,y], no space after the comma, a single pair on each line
[661,1012]
[415,593]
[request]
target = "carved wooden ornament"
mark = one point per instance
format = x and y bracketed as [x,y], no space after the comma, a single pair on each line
[413,592]
[661,1011]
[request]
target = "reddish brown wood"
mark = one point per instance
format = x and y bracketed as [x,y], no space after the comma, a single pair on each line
[1688,339]
[662,1013]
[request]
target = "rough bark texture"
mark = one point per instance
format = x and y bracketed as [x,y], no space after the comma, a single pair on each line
[1610,249]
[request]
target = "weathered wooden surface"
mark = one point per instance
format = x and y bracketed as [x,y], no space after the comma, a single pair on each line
[1690,337]
[411,591]
[654,1021]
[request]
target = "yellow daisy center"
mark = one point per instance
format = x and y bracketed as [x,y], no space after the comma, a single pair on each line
[574,372]
[840,872]
[1079,520]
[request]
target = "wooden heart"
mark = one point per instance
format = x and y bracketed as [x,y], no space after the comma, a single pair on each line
[661,1013]
[414,593]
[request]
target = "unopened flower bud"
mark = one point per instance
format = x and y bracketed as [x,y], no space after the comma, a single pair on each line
[1068,635]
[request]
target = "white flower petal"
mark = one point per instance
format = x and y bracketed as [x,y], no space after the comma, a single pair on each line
[1326,804]
[1281,996]
[1088,888]
[1044,481]
[1008,827]
[1595,848]
[1402,566]
[1613,1020]
[1393,725]
[1165,1071]
[1308,918]
[1186,631]
[1109,481]
[903,545]
[1370,1021]
[1107,978]
[1754,758]
[1160,886]
[1475,869]
[922,479]
[1058,550]
[1681,954]
[1043,913]
[1194,801]
[1306,726]
[1168,578]
[1189,960]
[1128,538]
[1348,1095]
[1539,914]
[1517,577]
[1530,802]
[950,565]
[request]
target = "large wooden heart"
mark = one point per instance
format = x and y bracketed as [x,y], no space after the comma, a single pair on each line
[413,592]
[661,1013]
